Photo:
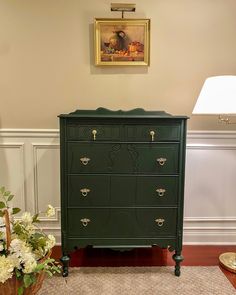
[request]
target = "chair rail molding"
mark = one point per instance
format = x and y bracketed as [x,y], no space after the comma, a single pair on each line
[29,161]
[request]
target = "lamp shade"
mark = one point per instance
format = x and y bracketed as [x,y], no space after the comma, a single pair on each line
[218,96]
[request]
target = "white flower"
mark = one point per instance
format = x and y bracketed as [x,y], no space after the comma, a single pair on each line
[50,211]
[6,268]
[29,244]
[50,242]
[31,229]
[16,261]
[1,247]
[26,217]
[19,248]
[22,254]
[29,263]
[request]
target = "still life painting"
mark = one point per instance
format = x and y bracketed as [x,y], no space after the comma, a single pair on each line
[122,41]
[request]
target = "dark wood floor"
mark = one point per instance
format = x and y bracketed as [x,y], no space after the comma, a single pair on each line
[193,256]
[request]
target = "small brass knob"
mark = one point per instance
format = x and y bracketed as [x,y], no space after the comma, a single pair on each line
[152,133]
[94,132]
[161,192]
[160,221]
[85,221]
[161,161]
[84,160]
[85,191]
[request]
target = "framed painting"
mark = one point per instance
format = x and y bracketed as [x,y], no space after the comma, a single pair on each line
[122,42]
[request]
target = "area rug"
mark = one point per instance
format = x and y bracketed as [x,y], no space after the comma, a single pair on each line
[139,281]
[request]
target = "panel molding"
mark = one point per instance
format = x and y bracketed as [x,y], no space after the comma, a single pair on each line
[36,147]
[32,133]
[211,134]
[20,146]
[210,230]
[30,141]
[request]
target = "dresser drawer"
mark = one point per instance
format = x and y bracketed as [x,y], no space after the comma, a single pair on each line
[88,190]
[143,191]
[157,191]
[123,158]
[155,158]
[154,133]
[93,132]
[101,190]
[121,223]
[121,191]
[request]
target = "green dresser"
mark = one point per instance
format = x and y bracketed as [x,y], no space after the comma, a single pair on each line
[122,180]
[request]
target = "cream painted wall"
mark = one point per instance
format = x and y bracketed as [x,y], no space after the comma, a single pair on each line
[46,59]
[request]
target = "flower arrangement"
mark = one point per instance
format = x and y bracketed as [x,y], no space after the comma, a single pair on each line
[24,248]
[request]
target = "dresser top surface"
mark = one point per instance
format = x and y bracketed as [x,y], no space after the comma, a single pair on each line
[106,113]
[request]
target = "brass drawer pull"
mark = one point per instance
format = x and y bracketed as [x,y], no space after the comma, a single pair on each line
[85,191]
[161,161]
[161,192]
[94,132]
[152,133]
[85,221]
[84,160]
[160,221]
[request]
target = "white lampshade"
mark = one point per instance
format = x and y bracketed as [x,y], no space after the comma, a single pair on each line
[218,96]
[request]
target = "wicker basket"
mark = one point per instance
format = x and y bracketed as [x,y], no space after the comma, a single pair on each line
[10,287]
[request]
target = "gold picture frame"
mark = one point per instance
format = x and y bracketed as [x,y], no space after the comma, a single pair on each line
[122,42]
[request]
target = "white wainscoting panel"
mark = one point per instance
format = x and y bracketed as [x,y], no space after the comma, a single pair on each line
[12,170]
[29,161]
[46,178]
[210,188]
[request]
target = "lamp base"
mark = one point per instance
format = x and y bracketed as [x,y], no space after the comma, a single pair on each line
[228,261]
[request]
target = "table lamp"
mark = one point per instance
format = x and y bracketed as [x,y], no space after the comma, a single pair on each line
[218,97]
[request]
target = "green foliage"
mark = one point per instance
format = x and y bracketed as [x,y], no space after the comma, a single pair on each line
[28,280]
[35,218]
[20,290]
[15,210]
[5,198]
[18,273]
[2,205]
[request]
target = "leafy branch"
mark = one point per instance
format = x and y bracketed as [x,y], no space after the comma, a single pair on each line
[5,198]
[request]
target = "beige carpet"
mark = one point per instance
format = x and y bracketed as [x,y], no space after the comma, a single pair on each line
[140,281]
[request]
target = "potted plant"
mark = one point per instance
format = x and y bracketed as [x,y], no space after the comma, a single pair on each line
[24,250]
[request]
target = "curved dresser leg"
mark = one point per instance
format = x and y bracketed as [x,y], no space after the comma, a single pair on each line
[65,261]
[178,258]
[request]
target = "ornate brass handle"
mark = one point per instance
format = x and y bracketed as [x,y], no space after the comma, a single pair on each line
[160,221]
[85,191]
[84,160]
[94,132]
[152,133]
[161,161]
[85,221]
[161,192]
